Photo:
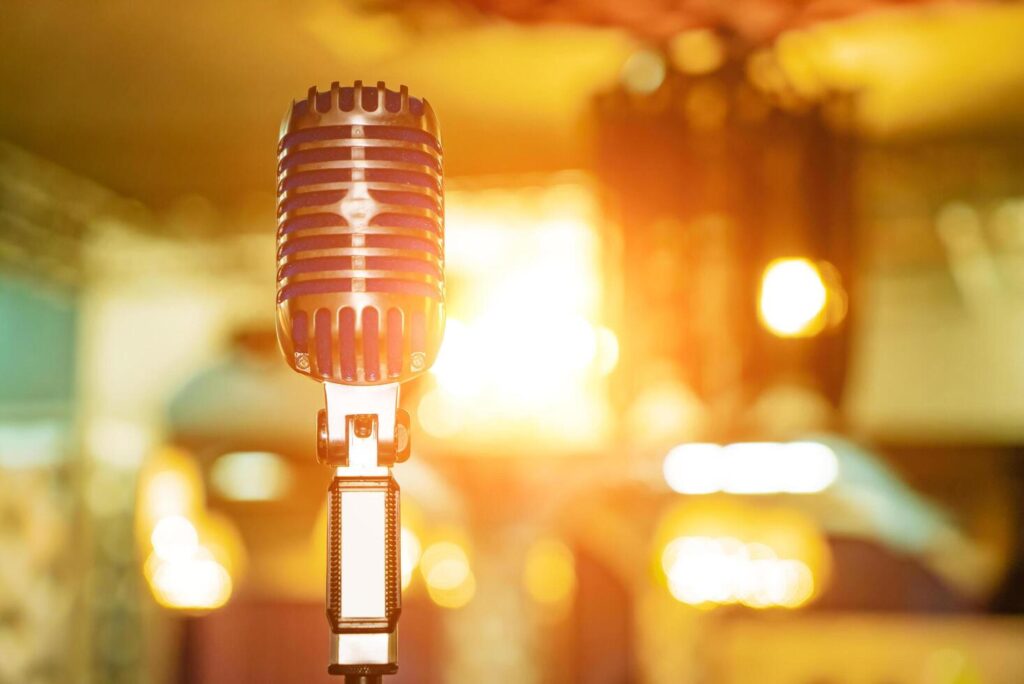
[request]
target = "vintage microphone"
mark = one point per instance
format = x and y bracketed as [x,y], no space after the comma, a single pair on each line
[360,308]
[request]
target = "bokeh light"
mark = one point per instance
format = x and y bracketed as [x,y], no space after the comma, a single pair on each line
[698,51]
[751,468]
[723,570]
[449,578]
[170,484]
[250,476]
[793,298]
[719,550]
[644,72]
[194,583]
[174,538]
[192,555]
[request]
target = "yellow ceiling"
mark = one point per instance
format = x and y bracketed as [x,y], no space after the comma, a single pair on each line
[160,100]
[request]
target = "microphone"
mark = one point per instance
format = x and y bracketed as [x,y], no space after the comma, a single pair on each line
[360,236]
[360,307]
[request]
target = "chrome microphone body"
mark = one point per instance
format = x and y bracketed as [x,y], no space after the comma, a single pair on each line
[360,307]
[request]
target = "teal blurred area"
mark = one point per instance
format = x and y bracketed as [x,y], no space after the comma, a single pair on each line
[39,344]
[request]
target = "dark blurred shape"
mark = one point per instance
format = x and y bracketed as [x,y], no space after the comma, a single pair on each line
[260,642]
[603,636]
[871,578]
[711,180]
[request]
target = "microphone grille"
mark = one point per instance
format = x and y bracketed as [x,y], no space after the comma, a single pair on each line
[360,235]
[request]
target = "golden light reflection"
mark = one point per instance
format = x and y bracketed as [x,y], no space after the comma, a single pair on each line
[721,550]
[549,574]
[666,411]
[170,484]
[698,51]
[723,570]
[191,554]
[751,468]
[525,350]
[456,597]
[644,72]
[927,70]
[793,297]
[197,582]
[190,569]
[448,575]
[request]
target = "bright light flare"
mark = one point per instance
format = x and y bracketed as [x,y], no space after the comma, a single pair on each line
[725,570]
[751,468]
[523,352]
[515,350]
[793,298]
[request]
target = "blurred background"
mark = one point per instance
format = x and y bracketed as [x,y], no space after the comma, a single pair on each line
[732,389]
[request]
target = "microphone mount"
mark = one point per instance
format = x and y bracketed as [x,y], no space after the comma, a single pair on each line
[362,427]
[362,433]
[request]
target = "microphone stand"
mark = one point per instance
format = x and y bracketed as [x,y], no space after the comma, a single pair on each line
[361,435]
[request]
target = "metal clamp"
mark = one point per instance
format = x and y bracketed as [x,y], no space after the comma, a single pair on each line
[362,427]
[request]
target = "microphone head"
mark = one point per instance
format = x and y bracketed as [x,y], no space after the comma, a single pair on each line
[360,237]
